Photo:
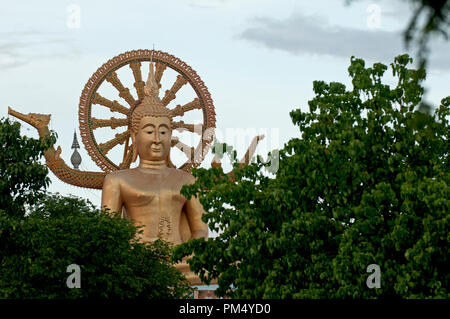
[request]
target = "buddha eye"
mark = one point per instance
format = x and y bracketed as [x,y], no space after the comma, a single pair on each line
[150,132]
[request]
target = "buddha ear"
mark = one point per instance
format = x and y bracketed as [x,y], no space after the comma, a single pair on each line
[133,147]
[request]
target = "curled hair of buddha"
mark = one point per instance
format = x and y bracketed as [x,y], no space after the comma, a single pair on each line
[146,110]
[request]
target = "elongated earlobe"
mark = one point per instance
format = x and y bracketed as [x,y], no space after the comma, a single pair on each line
[134,158]
[133,148]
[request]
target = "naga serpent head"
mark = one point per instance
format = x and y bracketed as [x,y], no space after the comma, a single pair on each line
[38,121]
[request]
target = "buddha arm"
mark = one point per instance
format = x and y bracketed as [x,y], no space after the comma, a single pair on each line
[194,212]
[111,196]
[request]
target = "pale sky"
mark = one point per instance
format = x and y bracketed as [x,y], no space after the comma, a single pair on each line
[258,58]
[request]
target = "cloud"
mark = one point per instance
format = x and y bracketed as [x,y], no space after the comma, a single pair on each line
[313,35]
[205,4]
[19,48]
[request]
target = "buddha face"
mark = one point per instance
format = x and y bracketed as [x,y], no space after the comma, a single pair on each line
[153,138]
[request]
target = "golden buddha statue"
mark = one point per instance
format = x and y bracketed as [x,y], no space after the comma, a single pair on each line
[150,193]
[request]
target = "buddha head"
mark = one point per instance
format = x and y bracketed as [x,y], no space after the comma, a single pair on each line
[151,125]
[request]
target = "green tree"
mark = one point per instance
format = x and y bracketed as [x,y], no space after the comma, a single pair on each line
[22,177]
[41,235]
[61,231]
[366,183]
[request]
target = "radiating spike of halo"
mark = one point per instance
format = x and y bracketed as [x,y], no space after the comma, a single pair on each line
[174,141]
[251,149]
[160,67]
[171,94]
[194,128]
[127,159]
[114,106]
[123,91]
[216,162]
[186,149]
[138,84]
[113,123]
[180,110]
[119,139]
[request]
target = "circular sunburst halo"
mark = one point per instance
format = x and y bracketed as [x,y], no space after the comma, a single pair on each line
[107,72]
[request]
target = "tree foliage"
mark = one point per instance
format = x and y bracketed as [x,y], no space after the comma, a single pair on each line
[22,177]
[365,183]
[435,15]
[61,231]
[42,234]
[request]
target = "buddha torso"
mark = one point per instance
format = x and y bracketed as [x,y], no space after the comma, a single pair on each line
[152,198]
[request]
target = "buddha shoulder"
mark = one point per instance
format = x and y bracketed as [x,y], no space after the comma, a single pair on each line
[183,176]
[119,175]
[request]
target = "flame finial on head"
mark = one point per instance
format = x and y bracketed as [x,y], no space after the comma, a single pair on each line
[151,88]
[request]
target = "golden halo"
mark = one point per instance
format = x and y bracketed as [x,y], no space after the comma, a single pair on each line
[90,98]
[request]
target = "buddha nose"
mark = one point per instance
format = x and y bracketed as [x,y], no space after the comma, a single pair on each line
[157,138]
